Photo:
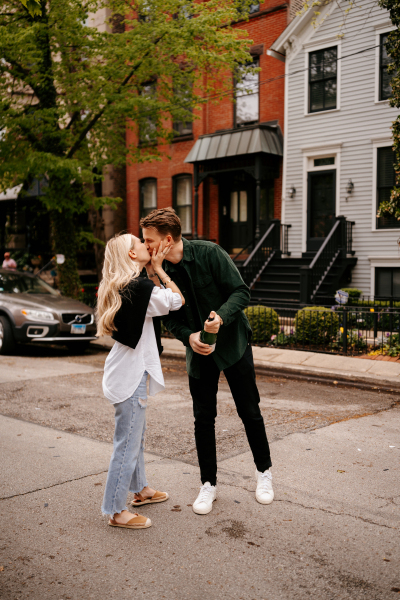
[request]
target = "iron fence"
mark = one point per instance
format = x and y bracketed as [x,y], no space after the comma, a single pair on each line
[349,330]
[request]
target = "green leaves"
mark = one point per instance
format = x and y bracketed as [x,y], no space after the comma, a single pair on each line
[33,7]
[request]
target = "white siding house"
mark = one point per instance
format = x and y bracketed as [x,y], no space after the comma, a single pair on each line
[337,121]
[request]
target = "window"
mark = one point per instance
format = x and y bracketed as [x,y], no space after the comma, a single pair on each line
[247,96]
[322,162]
[322,79]
[385,89]
[254,8]
[148,196]
[385,183]
[183,128]
[182,191]
[387,282]
[148,119]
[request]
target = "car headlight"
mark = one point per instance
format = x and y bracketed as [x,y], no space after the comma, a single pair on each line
[37,315]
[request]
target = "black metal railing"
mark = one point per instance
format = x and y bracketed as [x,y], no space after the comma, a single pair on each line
[243,251]
[346,330]
[338,243]
[285,239]
[265,249]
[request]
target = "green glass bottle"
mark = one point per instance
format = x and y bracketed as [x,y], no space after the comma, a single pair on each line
[208,338]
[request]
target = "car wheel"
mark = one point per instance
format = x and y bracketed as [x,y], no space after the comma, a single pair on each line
[77,347]
[7,342]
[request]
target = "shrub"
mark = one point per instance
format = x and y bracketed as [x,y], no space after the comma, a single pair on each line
[88,294]
[316,325]
[264,322]
[352,292]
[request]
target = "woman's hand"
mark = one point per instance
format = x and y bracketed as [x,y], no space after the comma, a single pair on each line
[158,256]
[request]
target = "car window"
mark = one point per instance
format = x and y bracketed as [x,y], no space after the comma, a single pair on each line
[15,283]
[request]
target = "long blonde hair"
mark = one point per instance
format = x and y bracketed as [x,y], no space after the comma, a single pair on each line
[118,270]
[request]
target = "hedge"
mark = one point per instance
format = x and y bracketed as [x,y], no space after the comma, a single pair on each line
[316,325]
[264,322]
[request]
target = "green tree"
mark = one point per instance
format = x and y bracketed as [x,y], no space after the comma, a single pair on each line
[68,90]
[392,206]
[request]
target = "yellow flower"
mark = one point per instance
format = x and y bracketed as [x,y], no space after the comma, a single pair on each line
[341,330]
[372,309]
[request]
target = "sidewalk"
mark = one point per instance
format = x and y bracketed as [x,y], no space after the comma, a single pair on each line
[332,530]
[299,364]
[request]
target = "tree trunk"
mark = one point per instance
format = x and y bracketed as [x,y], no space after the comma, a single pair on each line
[64,242]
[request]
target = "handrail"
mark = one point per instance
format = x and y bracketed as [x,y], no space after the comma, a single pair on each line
[266,248]
[325,244]
[243,249]
[266,234]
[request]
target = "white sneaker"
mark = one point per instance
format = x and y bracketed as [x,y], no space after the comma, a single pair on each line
[264,491]
[204,501]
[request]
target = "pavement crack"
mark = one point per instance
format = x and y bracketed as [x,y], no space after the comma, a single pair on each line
[53,485]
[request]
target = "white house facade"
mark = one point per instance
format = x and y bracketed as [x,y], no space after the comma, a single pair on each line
[338,157]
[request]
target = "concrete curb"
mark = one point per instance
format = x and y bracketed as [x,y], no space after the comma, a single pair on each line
[300,372]
[343,378]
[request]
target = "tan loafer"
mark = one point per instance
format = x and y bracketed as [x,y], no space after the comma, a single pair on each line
[157,497]
[137,522]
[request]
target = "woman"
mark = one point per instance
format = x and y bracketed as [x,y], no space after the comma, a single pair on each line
[126,307]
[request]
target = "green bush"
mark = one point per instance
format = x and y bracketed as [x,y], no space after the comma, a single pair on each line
[264,322]
[316,325]
[352,292]
[88,294]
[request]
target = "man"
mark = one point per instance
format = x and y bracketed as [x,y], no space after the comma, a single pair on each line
[212,286]
[8,262]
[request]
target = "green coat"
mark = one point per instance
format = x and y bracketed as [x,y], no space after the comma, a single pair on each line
[216,285]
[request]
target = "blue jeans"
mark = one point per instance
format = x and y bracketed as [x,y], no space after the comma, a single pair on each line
[127,471]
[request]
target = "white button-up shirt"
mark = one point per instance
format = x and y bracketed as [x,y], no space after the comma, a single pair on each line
[124,366]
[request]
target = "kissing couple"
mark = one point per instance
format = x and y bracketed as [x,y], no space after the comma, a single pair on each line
[188,283]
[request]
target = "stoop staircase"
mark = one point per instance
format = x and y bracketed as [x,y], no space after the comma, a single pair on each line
[284,282]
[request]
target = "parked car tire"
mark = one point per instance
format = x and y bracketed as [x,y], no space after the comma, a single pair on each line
[7,342]
[77,347]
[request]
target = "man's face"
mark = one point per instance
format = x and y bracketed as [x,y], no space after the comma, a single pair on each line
[152,238]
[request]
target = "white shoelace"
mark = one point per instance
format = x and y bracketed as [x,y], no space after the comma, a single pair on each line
[265,481]
[205,492]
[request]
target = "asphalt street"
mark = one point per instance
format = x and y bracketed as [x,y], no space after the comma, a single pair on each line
[331,533]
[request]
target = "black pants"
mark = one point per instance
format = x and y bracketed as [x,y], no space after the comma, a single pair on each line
[242,382]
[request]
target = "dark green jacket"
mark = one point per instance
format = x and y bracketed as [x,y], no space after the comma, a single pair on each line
[216,285]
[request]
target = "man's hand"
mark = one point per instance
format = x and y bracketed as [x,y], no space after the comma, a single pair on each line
[213,326]
[198,346]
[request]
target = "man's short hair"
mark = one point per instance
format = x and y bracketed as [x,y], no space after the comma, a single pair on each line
[165,221]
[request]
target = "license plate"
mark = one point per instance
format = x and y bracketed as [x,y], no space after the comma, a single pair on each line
[78,328]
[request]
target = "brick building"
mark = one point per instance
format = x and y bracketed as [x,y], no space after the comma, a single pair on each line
[223,173]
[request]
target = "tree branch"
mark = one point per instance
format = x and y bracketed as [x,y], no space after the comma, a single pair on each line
[101,112]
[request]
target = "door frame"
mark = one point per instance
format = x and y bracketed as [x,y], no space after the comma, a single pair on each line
[311,152]
[309,176]
[224,200]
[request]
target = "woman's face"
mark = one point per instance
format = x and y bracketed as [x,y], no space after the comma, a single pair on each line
[140,252]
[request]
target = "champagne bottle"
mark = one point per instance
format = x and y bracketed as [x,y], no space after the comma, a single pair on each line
[208,338]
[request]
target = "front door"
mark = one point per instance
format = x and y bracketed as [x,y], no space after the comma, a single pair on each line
[321,207]
[240,211]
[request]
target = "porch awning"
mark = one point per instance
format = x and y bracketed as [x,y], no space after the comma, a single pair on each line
[254,140]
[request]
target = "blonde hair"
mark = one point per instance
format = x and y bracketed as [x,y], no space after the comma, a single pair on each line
[118,270]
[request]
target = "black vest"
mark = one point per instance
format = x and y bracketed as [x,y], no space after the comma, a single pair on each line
[129,320]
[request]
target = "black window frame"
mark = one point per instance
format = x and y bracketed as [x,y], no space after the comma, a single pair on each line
[144,138]
[179,127]
[391,269]
[143,212]
[254,60]
[324,78]
[389,222]
[384,62]
[175,206]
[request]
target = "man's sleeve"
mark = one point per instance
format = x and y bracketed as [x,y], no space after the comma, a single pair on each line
[230,283]
[177,328]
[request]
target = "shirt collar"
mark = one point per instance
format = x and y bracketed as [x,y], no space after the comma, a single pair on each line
[187,254]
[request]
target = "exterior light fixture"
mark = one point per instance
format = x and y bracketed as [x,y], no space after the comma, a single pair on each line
[292,191]
[349,187]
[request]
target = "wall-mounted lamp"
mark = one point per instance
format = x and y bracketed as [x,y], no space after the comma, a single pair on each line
[350,187]
[292,191]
